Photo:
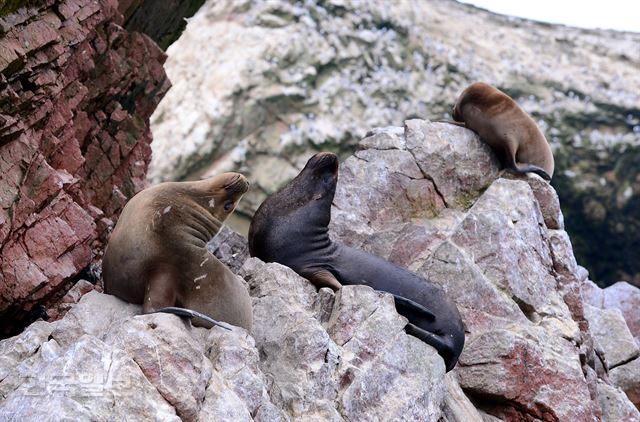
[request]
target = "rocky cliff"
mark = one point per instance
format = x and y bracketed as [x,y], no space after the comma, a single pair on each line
[76,93]
[259,85]
[497,245]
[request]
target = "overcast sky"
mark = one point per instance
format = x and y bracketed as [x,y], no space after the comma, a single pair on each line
[608,14]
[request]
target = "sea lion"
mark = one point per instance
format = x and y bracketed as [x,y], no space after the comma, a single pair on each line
[507,128]
[291,228]
[157,252]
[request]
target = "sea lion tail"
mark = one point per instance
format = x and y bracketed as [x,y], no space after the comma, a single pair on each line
[530,168]
[183,312]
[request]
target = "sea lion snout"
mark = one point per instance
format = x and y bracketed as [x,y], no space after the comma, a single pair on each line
[236,184]
[455,114]
[323,161]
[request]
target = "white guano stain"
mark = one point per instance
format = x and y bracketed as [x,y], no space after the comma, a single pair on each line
[199,278]
[203,262]
[167,209]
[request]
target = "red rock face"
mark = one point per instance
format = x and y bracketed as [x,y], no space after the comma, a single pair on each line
[76,92]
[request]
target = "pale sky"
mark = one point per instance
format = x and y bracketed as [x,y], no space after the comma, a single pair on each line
[623,15]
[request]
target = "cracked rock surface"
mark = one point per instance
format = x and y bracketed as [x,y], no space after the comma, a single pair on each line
[534,349]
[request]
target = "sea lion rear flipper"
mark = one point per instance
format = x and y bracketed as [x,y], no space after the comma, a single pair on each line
[189,313]
[322,278]
[532,168]
[522,168]
[408,308]
[442,344]
[461,124]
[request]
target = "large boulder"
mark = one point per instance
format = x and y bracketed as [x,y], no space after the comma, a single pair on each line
[490,250]
[313,355]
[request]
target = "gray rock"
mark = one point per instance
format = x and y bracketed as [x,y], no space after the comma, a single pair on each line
[324,355]
[495,258]
[622,296]
[615,405]
[612,335]
[91,380]
[627,377]
[360,357]
[457,406]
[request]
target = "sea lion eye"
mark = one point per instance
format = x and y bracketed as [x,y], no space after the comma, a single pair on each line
[228,205]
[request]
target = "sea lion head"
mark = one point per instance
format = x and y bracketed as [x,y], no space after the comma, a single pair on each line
[314,185]
[220,194]
[319,176]
[302,204]
[479,94]
[455,113]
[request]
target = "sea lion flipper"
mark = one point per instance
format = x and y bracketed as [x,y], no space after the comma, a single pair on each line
[160,291]
[442,344]
[461,124]
[322,278]
[189,313]
[408,307]
[522,168]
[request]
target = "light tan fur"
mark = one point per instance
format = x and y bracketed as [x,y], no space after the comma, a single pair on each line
[157,253]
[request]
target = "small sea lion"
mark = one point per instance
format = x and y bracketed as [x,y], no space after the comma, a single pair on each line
[507,128]
[157,253]
[291,228]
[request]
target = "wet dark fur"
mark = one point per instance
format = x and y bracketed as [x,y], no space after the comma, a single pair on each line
[291,228]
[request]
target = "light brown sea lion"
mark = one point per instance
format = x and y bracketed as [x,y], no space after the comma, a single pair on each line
[157,253]
[507,128]
[291,228]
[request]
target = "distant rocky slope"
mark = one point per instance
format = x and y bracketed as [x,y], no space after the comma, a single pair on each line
[258,85]
[534,350]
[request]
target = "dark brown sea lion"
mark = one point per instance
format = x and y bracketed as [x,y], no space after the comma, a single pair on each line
[291,228]
[157,253]
[507,128]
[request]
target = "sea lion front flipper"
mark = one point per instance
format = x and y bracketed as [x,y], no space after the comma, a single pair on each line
[160,291]
[322,278]
[443,345]
[189,313]
[409,308]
